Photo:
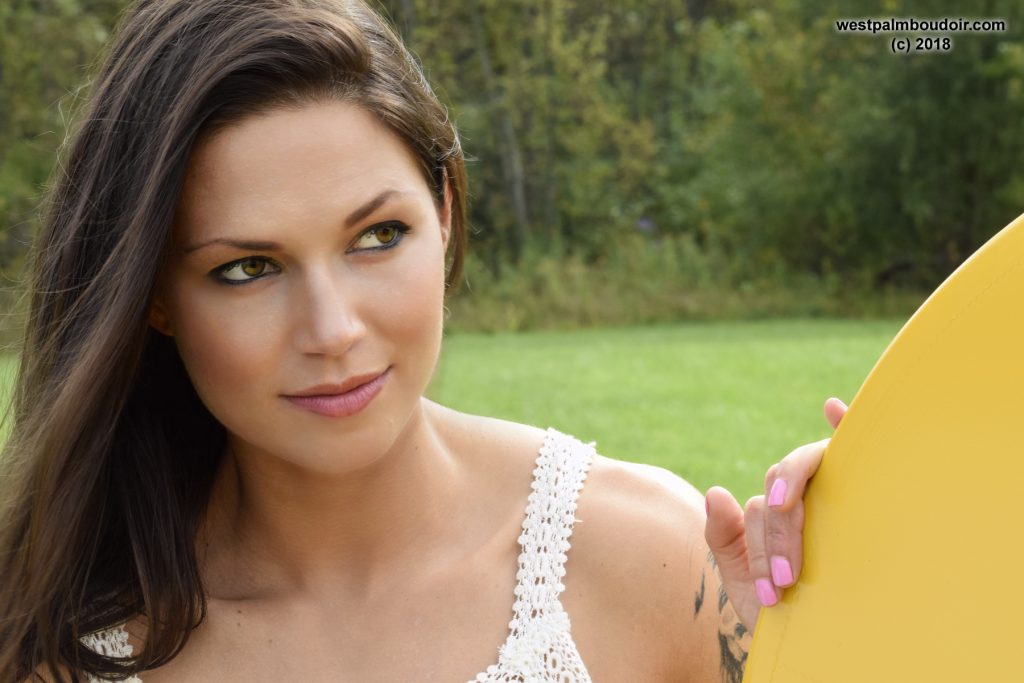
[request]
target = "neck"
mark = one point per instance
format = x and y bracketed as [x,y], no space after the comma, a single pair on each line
[273,528]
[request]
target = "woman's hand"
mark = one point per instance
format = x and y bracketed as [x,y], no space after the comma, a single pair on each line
[759,548]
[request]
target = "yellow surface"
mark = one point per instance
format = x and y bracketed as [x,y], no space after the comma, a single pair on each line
[913,540]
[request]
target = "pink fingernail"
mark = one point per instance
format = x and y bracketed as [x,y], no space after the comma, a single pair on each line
[778,493]
[782,573]
[765,592]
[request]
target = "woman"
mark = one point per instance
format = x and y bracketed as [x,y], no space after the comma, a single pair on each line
[222,465]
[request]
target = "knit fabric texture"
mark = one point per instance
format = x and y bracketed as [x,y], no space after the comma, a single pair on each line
[539,647]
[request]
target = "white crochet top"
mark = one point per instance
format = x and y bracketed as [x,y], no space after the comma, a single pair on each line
[539,647]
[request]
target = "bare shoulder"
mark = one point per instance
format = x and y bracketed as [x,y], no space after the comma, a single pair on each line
[641,588]
[638,525]
[638,546]
[634,492]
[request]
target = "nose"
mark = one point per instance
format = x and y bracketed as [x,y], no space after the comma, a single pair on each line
[328,311]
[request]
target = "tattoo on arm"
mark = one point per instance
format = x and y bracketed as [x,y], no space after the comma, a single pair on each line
[699,600]
[733,638]
[734,658]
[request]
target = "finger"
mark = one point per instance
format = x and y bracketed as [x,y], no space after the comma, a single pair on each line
[757,556]
[783,540]
[725,533]
[786,480]
[834,411]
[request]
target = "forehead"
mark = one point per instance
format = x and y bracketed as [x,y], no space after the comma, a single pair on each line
[320,157]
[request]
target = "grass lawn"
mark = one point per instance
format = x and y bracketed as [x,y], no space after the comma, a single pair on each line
[715,402]
[8,368]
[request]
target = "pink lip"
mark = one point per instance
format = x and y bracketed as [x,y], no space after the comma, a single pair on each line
[343,405]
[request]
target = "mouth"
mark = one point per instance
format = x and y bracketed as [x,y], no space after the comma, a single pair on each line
[342,403]
[336,388]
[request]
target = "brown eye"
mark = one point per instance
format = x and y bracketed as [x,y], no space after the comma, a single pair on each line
[386,234]
[253,267]
[383,236]
[242,271]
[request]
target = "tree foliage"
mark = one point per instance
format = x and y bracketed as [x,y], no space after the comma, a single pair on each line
[756,132]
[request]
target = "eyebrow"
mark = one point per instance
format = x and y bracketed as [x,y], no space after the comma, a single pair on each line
[254,245]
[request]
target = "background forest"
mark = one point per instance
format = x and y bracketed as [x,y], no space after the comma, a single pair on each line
[649,160]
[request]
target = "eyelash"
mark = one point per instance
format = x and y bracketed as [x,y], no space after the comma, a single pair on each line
[400,227]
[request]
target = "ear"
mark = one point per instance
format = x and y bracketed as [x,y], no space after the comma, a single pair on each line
[159,319]
[446,214]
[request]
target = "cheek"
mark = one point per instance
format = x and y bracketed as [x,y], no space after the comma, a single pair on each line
[226,353]
[423,286]
[415,307]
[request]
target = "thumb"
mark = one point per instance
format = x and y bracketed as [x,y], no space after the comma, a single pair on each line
[725,532]
[835,409]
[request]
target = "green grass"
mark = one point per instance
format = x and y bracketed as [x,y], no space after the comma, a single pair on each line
[8,370]
[717,403]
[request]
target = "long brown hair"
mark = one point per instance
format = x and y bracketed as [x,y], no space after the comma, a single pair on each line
[111,455]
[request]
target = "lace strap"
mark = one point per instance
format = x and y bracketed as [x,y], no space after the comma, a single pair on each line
[561,469]
[112,642]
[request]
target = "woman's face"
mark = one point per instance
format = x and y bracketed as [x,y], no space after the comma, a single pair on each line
[336,289]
